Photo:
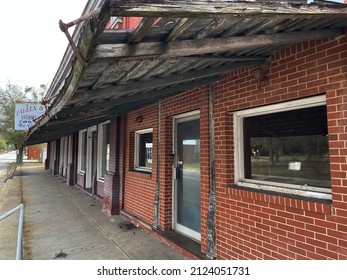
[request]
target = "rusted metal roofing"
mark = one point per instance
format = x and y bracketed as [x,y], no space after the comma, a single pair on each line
[178,45]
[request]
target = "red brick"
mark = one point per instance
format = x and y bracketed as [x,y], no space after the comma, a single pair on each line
[327,238]
[328,253]
[252,225]
[297,250]
[317,243]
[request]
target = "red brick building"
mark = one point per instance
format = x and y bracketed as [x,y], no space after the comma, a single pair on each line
[239,151]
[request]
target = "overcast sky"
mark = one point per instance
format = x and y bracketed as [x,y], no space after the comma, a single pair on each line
[31,43]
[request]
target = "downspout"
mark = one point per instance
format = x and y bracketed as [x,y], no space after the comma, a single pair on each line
[211,214]
[157,189]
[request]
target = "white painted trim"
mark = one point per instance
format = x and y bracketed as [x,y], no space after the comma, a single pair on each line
[101,127]
[283,106]
[193,115]
[89,157]
[80,171]
[65,141]
[136,146]
[52,154]
[70,150]
[238,116]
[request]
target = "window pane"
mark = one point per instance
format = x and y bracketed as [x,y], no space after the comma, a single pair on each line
[145,145]
[288,147]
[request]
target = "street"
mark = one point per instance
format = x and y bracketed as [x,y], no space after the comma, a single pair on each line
[5,160]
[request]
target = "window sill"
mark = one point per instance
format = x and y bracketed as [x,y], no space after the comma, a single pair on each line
[287,189]
[288,200]
[143,170]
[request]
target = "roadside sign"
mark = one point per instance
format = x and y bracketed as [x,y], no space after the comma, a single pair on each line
[26,114]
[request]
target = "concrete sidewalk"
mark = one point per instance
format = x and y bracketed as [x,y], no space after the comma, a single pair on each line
[63,222]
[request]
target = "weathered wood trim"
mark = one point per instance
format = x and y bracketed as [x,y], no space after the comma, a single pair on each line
[89,34]
[85,117]
[117,107]
[142,29]
[216,23]
[200,8]
[119,90]
[222,58]
[58,131]
[151,95]
[205,46]
[179,28]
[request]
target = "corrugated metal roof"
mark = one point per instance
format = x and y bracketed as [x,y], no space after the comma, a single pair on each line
[178,45]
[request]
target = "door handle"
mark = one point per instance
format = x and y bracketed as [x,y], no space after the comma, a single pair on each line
[180,162]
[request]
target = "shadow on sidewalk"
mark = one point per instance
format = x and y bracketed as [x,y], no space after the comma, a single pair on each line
[64,222]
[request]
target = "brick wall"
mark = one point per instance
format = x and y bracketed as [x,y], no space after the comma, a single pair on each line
[251,225]
[139,188]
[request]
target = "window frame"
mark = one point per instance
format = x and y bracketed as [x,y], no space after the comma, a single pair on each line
[101,146]
[137,135]
[239,157]
[80,152]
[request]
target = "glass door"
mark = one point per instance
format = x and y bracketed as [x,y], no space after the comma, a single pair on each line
[187,176]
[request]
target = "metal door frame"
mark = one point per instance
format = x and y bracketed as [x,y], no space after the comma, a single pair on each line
[190,116]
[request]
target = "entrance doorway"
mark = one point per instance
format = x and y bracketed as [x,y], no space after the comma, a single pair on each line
[186,183]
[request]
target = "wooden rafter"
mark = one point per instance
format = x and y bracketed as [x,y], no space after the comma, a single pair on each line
[114,91]
[179,28]
[205,46]
[205,8]
[215,24]
[139,97]
[222,58]
[142,29]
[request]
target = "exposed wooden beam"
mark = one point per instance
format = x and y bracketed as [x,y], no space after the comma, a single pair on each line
[206,8]
[139,97]
[141,30]
[214,24]
[222,58]
[59,130]
[90,33]
[204,46]
[114,91]
[179,28]
[54,125]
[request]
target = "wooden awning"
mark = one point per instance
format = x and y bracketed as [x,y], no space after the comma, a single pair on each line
[178,45]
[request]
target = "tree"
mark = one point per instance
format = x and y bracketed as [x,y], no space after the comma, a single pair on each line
[3,145]
[8,98]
